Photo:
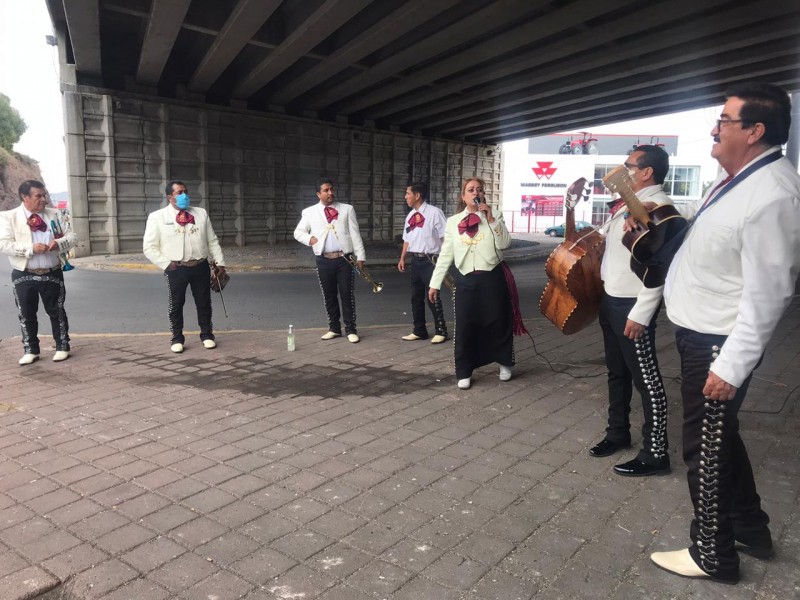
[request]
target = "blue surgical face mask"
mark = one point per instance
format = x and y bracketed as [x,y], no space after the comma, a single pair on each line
[182,201]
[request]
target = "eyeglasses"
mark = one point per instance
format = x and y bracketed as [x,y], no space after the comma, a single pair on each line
[628,165]
[721,122]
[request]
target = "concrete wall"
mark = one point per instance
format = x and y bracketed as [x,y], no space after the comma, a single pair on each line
[253,173]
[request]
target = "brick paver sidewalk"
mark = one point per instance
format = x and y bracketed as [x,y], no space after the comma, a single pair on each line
[347,472]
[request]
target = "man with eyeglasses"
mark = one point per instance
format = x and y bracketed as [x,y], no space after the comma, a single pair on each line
[628,313]
[726,290]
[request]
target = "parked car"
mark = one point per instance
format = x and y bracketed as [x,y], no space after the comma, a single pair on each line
[558,230]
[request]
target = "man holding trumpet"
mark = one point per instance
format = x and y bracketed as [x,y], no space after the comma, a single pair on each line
[423,235]
[331,229]
[33,237]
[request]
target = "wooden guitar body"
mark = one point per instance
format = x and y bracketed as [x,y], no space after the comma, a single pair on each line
[571,299]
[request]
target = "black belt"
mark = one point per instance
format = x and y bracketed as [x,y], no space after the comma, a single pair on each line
[42,271]
[422,255]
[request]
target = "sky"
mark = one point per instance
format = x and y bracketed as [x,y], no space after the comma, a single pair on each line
[29,77]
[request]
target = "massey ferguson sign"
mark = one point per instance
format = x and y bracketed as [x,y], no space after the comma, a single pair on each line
[544,170]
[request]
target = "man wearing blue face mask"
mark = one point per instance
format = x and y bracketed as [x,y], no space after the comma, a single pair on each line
[180,240]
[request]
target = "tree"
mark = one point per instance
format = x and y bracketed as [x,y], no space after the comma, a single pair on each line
[11,124]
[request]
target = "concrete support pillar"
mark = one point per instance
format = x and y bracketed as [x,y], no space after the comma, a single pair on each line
[793,145]
[76,168]
[111,224]
[237,187]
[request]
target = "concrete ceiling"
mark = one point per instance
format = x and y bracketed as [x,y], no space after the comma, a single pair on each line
[476,70]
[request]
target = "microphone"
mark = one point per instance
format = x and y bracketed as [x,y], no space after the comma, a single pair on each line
[477,200]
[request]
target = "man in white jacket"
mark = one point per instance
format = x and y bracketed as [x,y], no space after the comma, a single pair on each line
[179,240]
[726,290]
[331,229]
[33,235]
[628,313]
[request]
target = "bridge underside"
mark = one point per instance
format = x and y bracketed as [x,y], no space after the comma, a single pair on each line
[250,97]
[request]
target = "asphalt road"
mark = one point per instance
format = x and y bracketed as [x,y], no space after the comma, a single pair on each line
[136,302]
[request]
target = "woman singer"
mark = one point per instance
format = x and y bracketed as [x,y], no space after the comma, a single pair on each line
[473,241]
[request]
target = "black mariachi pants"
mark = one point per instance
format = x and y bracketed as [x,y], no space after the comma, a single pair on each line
[421,272]
[28,287]
[198,278]
[727,507]
[484,323]
[633,363]
[336,281]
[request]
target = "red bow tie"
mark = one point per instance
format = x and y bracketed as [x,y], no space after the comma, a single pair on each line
[331,213]
[36,223]
[184,218]
[416,220]
[469,225]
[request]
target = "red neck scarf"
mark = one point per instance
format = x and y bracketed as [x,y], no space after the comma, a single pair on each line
[331,213]
[416,220]
[615,205]
[184,218]
[36,223]
[469,225]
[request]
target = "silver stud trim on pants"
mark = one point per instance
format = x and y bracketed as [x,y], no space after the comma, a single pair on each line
[658,398]
[708,502]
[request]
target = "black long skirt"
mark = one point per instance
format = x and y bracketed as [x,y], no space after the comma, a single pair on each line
[483,328]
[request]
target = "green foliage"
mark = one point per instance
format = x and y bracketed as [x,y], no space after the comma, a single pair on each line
[11,124]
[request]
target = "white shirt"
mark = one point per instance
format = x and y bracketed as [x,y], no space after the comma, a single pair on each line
[428,237]
[619,280]
[735,273]
[45,260]
[331,243]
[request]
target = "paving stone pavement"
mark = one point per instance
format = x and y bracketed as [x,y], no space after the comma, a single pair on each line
[356,471]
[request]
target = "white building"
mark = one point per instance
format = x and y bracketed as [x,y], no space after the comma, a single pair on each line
[537,172]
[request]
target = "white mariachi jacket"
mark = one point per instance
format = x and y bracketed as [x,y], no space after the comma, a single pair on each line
[736,272]
[313,223]
[163,237]
[16,238]
[615,270]
[480,253]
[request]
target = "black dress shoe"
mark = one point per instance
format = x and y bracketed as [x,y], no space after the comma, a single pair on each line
[607,448]
[636,468]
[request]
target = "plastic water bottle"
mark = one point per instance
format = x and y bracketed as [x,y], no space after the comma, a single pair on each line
[290,340]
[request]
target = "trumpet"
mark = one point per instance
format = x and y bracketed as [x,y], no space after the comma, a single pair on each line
[377,286]
[58,232]
[448,279]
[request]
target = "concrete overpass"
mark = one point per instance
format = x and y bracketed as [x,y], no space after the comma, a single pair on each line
[250,100]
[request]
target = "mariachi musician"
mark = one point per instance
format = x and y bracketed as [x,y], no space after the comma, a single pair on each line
[486,307]
[331,229]
[33,236]
[422,240]
[628,313]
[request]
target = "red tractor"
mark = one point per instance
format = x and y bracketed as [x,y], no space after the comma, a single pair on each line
[587,145]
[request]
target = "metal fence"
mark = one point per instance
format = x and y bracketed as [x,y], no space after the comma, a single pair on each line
[528,222]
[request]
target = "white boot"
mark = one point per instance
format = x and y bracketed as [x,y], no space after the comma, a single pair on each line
[28,359]
[679,562]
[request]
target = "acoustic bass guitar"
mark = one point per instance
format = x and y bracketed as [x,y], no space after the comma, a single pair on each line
[571,298]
